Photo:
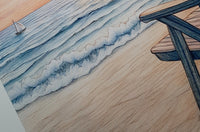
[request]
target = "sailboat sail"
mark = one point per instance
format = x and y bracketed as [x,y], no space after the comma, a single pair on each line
[19,27]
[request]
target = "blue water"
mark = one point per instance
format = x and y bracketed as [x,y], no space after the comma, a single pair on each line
[65,40]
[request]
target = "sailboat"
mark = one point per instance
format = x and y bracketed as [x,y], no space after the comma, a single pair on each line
[19,27]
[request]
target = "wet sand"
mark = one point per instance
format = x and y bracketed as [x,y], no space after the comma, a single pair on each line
[16,10]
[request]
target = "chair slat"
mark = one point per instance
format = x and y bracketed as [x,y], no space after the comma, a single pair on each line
[165,49]
[167,9]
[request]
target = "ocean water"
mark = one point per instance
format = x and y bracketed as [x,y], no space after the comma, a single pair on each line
[65,40]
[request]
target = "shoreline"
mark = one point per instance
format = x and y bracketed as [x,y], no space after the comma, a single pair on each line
[15,10]
[130,90]
[124,91]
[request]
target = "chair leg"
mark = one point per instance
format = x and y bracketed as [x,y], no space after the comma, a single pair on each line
[187,62]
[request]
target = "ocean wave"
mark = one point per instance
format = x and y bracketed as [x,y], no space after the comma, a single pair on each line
[66,45]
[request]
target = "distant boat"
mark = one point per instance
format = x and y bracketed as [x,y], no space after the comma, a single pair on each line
[19,27]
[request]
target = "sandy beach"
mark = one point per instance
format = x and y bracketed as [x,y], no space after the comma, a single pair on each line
[16,10]
[130,91]
[140,93]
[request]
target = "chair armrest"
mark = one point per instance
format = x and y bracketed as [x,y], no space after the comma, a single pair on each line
[166,9]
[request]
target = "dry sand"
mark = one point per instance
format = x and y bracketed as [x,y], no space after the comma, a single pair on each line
[130,91]
[16,10]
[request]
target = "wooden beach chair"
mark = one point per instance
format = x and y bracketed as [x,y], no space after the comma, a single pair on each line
[183,42]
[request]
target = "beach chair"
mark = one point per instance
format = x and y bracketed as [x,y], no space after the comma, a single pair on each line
[184,44]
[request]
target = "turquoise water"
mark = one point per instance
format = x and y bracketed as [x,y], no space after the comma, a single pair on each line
[64,41]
